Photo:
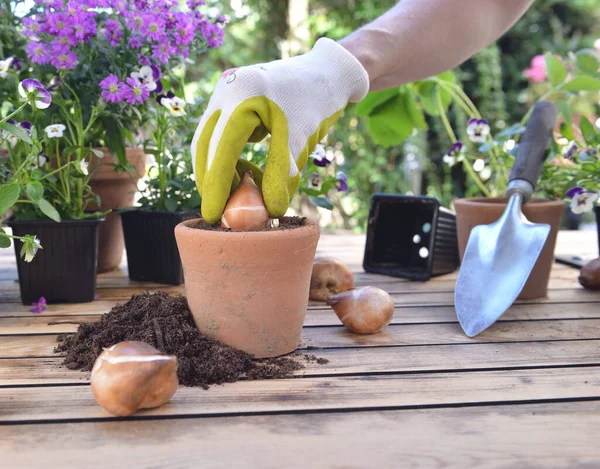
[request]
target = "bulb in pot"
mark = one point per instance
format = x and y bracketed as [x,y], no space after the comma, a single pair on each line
[133,375]
[364,310]
[245,209]
[589,275]
[329,277]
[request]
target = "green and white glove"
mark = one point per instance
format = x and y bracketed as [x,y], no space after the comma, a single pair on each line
[296,100]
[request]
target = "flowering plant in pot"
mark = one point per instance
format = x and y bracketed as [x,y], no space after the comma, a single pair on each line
[48,192]
[108,59]
[572,83]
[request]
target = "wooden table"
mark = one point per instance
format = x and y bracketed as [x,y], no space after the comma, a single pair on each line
[523,394]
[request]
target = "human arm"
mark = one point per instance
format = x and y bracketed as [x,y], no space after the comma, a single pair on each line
[417,39]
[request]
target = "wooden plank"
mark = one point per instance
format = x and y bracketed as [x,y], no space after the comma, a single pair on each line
[558,435]
[319,394]
[354,361]
[46,323]
[23,346]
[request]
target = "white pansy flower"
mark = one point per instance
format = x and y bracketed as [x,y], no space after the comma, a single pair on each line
[83,167]
[55,130]
[5,66]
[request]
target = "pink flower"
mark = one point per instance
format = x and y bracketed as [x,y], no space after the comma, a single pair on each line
[537,71]
[136,92]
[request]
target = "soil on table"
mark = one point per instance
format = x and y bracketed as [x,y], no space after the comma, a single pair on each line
[166,323]
[285,223]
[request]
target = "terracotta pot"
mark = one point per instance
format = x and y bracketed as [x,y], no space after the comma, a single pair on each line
[116,190]
[482,211]
[249,289]
[597,210]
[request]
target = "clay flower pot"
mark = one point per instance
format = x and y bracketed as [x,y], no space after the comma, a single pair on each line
[482,211]
[249,289]
[116,190]
[597,211]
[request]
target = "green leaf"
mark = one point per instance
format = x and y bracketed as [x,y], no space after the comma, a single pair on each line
[37,173]
[323,202]
[18,131]
[4,239]
[392,124]
[581,83]
[171,204]
[588,131]
[48,210]
[514,129]
[98,153]
[373,100]
[587,62]
[566,131]
[114,139]
[428,96]
[484,148]
[8,197]
[557,72]
[416,115]
[35,190]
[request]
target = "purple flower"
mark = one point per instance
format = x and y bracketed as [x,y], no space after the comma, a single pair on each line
[184,31]
[478,130]
[163,52]
[58,23]
[319,156]
[136,92]
[36,51]
[17,61]
[31,27]
[454,153]
[38,306]
[55,83]
[31,88]
[113,32]
[193,4]
[342,182]
[65,58]
[214,38]
[153,26]
[571,151]
[135,42]
[113,91]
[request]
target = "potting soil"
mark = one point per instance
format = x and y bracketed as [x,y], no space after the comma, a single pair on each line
[285,223]
[166,323]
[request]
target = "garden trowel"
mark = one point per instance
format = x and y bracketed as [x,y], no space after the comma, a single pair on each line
[499,257]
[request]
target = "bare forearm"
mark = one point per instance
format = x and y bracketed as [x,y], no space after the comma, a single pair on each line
[420,38]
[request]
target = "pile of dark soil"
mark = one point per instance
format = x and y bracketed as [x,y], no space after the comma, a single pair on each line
[166,323]
[285,223]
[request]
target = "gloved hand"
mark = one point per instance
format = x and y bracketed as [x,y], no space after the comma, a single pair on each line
[296,100]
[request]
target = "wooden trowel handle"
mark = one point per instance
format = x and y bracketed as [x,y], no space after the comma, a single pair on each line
[534,143]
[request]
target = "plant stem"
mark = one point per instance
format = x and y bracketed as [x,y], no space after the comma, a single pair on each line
[14,113]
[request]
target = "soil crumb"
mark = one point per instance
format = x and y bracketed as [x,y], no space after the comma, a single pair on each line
[285,223]
[315,359]
[166,323]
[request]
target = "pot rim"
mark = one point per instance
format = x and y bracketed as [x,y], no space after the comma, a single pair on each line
[310,228]
[502,201]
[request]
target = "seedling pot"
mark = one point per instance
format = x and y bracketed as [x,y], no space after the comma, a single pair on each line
[64,270]
[249,289]
[482,211]
[152,254]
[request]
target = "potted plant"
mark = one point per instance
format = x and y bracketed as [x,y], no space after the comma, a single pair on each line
[47,189]
[249,287]
[108,58]
[486,158]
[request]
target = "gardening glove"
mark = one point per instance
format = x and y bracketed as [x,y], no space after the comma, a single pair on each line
[296,100]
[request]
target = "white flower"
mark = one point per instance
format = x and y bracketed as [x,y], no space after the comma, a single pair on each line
[55,130]
[315,181]
[454,154]
[148,76]
[478,165]
[583,202]
[31,249]
[175,105]
[83,167]
[4,66]
[478,130]
[39,161]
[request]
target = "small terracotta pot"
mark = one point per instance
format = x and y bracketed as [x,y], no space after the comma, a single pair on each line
[597,210]
[482,211]
[249,289]
[116,190]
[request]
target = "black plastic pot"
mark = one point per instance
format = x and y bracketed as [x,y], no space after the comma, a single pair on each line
[597,210]
[64,270]
[152,254]
[410,237]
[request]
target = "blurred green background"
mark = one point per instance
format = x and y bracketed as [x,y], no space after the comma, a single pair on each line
[264,30]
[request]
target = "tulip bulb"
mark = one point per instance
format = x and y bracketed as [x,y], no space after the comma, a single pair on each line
[329,277]
[245,209]
[364,310]
[589,275]
[133,375]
